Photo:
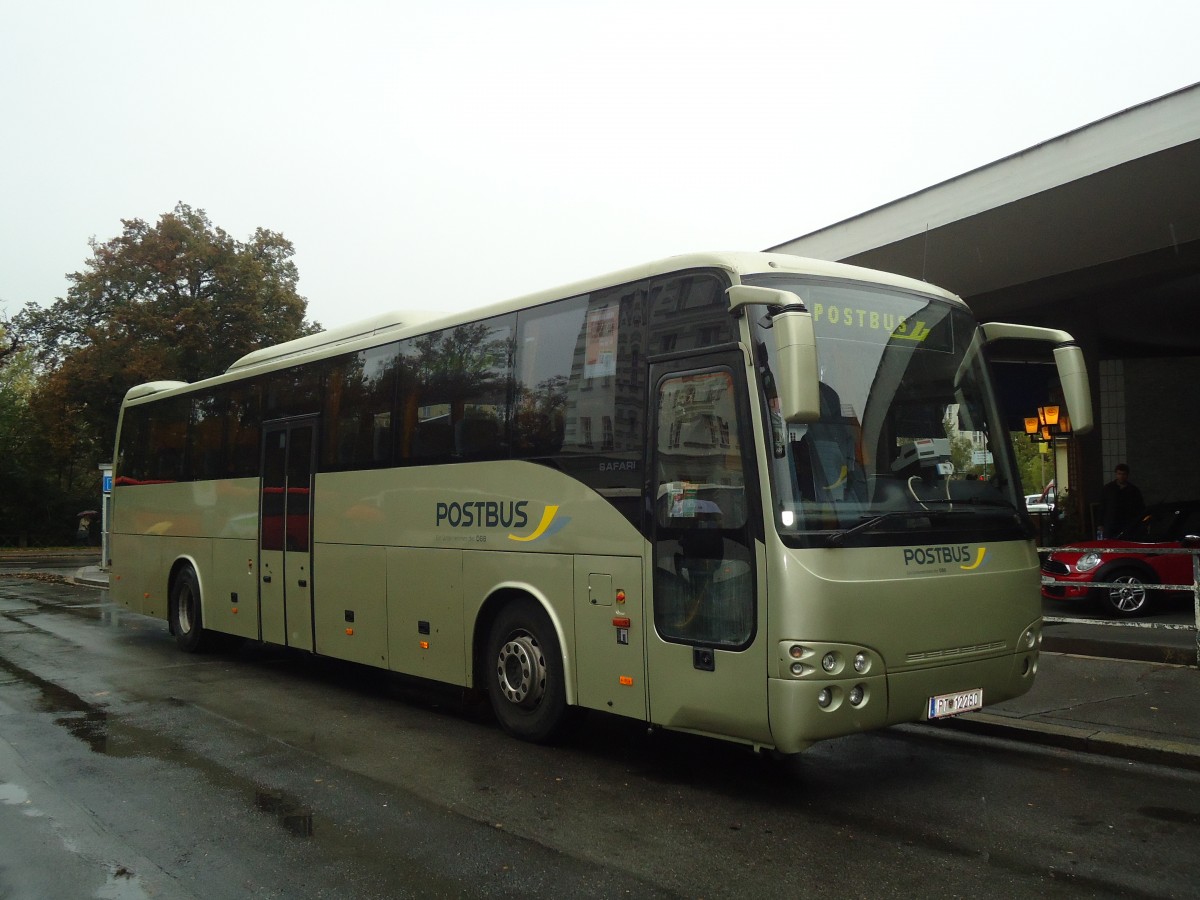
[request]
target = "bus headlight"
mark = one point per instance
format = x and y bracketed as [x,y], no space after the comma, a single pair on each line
[861,662]
[824,698]
[858,693]
[829,662]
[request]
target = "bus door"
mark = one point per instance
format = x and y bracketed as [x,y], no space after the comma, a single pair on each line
[285,557]
[706,663]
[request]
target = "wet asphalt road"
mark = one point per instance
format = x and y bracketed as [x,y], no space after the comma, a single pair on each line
[130,770]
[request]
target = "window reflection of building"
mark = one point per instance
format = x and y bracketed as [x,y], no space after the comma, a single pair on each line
[605,383]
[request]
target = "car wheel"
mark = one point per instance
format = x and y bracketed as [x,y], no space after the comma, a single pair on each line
[1130,597]
[526,682]
[186,622]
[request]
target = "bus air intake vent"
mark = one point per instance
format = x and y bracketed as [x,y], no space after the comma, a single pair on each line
[953,652]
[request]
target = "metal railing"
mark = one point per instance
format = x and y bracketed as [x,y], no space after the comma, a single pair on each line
[1193,587]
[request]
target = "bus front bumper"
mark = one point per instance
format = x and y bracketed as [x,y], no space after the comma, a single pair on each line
[803,712]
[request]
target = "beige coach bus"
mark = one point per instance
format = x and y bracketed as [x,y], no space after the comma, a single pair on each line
[713,494]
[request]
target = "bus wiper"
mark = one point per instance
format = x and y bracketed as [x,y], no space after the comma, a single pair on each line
[964,501]
[837,538]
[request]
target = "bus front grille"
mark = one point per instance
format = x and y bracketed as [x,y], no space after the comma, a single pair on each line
[953,652]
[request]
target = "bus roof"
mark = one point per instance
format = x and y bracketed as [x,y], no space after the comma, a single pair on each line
[397,324]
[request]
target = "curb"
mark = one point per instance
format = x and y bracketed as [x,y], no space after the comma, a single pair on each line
[27,557]
[1175,754]
[89,577]
[1156,653]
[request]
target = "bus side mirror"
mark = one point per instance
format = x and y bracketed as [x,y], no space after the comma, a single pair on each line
[1068,359]
[797,375]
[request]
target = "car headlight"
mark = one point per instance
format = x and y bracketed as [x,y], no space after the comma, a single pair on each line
[1087,562]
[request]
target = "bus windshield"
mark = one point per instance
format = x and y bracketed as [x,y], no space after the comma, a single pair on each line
[910,444]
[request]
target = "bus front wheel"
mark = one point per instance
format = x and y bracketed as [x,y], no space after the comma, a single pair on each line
[525,673]
[186,622]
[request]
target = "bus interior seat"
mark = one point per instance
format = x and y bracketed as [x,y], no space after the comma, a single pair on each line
[433,441]
[477,438]
[890,492]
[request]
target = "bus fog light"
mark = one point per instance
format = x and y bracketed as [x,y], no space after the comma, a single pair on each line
[861,662]
[829,662]
[1031,638]
[858,693]
[799,668]
[824,698]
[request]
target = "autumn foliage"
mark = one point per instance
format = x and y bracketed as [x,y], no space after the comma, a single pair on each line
[179,299]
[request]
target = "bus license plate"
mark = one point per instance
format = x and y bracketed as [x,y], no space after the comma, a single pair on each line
[952,704]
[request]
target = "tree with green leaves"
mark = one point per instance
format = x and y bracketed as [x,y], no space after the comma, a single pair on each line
[26,497]
[1034,463]
[179,299]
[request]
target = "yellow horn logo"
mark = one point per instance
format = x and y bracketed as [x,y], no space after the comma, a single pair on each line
[978,560]
[547,518]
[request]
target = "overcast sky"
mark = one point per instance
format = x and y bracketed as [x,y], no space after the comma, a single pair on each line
[449,154]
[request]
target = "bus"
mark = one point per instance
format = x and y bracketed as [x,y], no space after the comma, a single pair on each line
[714,494]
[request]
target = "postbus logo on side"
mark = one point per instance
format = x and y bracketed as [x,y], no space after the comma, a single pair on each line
[502,514]
[964,555]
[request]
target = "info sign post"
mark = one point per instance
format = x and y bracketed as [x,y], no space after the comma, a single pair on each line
[106,479]
[981,458]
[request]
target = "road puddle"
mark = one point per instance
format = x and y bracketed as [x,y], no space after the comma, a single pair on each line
[107,734]
[292,815]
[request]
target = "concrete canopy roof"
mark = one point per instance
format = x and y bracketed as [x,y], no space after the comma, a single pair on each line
[1106,212]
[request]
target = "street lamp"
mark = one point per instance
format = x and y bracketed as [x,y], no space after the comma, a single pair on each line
[1050,423]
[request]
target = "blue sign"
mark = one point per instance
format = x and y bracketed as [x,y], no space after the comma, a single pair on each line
[107,483]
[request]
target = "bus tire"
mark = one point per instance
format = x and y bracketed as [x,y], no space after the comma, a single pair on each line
[186,619]
[525,676]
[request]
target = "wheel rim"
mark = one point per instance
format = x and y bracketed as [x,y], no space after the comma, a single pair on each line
[521,670]
[1130,596]
[183,610]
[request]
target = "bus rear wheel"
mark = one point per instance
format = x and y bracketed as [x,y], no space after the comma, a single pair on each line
[186,619]
[525,673]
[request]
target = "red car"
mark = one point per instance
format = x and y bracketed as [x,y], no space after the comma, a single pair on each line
[1122,561]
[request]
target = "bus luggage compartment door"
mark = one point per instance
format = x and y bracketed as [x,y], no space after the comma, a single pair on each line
[610,635]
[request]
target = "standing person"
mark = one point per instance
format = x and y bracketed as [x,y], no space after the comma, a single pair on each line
[1121,502]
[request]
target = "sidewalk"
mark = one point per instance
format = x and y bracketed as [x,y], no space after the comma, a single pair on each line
[1130,709]
[1125,692]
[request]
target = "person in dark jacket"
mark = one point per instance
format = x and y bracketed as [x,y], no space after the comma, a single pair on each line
[1121,502]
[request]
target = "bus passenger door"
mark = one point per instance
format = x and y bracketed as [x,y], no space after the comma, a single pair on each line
[706,664]
[285,558]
